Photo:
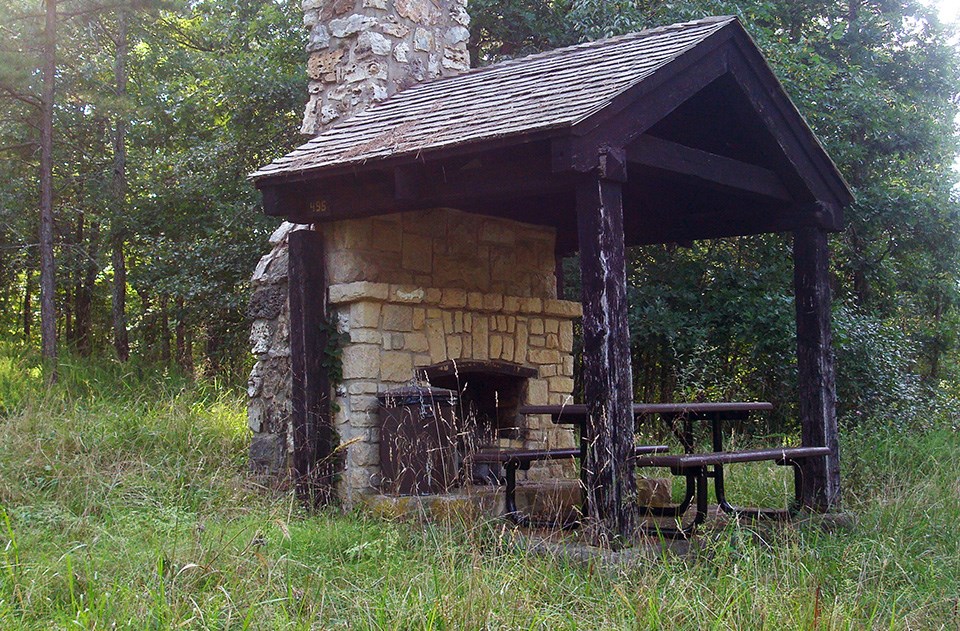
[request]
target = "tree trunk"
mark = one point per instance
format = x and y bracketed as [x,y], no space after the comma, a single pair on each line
[184,340]
[213,347]
[164,331]
[27,304]
[148,325]
[121,342]
[48,282]
[67,310]
[188,351]
[84,293]
[75,282]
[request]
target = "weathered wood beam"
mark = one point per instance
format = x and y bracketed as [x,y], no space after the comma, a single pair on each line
[818,398]
[608,383]
[782,119]
[651,101]
[312,424]
[706,167]
[486,178]
[681,227]
[418,186]
[344,197]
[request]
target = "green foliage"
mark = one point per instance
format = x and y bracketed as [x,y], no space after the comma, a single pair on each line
[332,357]
[215,89]
[875,362]
[511,28]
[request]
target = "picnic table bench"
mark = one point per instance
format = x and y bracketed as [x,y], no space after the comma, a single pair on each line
[521,459]
[698,467]
[695,467]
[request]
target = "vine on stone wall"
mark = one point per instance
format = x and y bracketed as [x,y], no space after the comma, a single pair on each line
[331,357]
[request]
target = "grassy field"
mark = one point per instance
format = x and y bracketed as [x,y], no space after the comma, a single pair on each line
[124,503]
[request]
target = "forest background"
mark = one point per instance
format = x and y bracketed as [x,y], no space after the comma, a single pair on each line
[162,107]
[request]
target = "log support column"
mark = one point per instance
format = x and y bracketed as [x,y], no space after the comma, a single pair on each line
[312,428]
[608,382]
[818,398]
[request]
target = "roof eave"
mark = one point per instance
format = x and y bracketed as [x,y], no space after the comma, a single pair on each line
[316,174]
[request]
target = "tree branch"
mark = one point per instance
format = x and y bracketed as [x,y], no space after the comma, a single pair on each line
[22,145]
[32,101]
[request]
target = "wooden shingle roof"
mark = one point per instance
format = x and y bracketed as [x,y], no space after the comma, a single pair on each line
[551,90]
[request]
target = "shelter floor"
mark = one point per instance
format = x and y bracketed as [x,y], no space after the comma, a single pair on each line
[550,500]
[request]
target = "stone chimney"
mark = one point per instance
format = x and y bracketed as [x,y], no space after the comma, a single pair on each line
[362,51]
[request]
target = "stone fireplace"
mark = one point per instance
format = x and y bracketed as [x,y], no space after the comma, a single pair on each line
[458,300]
[461,301]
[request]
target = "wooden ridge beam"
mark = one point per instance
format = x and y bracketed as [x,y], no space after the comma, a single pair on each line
[707,167]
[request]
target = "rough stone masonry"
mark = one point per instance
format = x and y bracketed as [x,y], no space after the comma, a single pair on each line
[359,52]
[362,51]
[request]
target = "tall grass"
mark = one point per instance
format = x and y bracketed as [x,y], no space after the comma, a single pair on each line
[124,503]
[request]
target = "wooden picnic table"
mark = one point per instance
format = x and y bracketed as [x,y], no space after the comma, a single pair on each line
[576,414]
[694,467]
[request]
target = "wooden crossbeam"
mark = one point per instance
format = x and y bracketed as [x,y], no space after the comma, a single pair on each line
[706,167]
[489,178]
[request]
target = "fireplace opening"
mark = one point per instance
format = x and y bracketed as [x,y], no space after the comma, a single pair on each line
[490,392]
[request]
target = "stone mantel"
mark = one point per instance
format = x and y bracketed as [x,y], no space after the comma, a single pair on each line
[451,298]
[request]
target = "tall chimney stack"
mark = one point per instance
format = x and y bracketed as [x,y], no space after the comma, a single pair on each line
[362,51]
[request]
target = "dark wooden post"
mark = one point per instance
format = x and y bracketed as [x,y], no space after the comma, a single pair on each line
[608,383]
[311,420]
[818,397]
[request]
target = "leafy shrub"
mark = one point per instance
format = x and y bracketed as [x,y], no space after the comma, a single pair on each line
[875,370]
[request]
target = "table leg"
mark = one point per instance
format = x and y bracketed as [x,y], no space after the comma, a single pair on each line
[583,471]
[722,503]
[510,501]
[697,481]
[798,502]
[716,427]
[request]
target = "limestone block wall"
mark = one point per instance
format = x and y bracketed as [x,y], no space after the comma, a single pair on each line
[419,288]
[395,329]
[444,248]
